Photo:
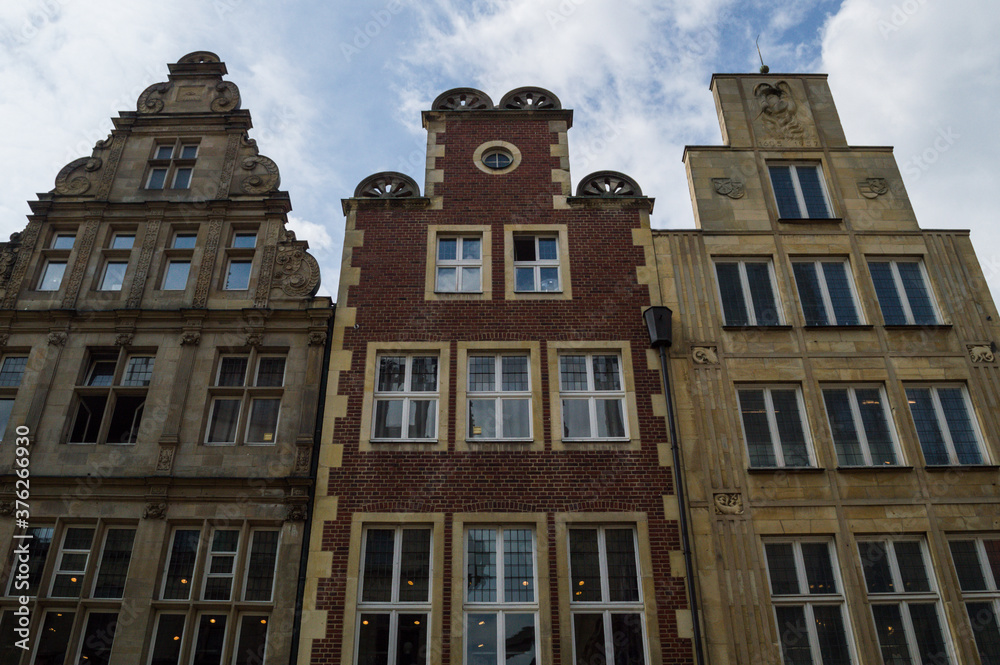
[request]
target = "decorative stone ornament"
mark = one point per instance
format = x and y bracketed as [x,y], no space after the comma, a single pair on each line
[6,508]
[260,183]
[155,510]
[57,338]
[80,184]
[872,188]
[124,339]
[729,187]
[462,99]
[728,503]
[387,185]
[297,270]
[297,513]
[530,99]
[981,353]
[317,338]
[303,457]
[705,355]
[165,461]
[151,99]
[608,184]
[782,119]
[191,338]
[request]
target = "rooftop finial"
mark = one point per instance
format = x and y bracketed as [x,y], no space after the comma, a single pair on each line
[764,69]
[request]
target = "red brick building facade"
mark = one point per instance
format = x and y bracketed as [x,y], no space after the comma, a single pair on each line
[491,390]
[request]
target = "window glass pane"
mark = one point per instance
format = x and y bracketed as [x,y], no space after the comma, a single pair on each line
[911,567]
[377,580]
[482,418]
[519,642]
[181,564]
[606,374]
[415,565]
[819,569]
[572,372]
[164,151]
[388,419]
[758,434]
[784,192]
[516,418]
[839,288]
[588,638]
[519,576]
[576,418]
[610,419]
[185,240]
[794,634]
[891,636]
[391,373]
[138,371]
[189,151]
[873,417]
[471,249]
[845,435]
[761,294]
[875,563]
[40,542]
[225,415]
[832,635]
[102,373]
[88,419]
[547,249]
[232,371]
[789,422]
[211,638]
[52,277]
[422,419]
[627,639]
[987,631]
[63,241]
[470,280]
[515,372]
[447,249]
[244,240]
[424,374]
[524,279]
[623,577]
[373,640]
[963,434]
[72,564]
[781,569]
[733,306]
[98,638]
[992,548]
[447,279]
[888,298]
[812,192]
[928,429]
[253,640]
[238,276]
[810,294]
[169,635]
[482,566]
[176,276]
[263,420]
[271,371]
[927,630]
[260,571]
[157,177]
[122,241]
[481,373]
[548,279]
[56,629]
[916,293]
[114,563]
[411,644]
[524,248]
[12,371]
[6,406]
[585,567]
[970,573]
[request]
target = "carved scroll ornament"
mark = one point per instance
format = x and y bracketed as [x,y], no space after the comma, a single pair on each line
[151,99]
[228,98]
[729,503]
[297,272]
[260,183]
[79,184]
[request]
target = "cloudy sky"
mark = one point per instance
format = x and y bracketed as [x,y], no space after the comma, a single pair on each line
[335,88]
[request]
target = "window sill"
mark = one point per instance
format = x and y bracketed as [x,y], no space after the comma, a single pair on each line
[880,467]
[395,441]
[755,470]
[918,326]
[536,293]
[499,441]
[597,440]
[729,328]
[810,220]
[855,326]
[944,468]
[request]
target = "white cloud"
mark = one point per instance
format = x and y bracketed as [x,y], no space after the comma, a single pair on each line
[316,234]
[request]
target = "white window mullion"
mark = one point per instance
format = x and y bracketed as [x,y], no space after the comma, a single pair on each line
[824,290]
[799,197]
[747,298]
[602,558]
[943,426]
[772,426]
[904,298]
[859,425]
[911,642]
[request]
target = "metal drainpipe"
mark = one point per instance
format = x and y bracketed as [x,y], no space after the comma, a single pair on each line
[660,336]
[300,590]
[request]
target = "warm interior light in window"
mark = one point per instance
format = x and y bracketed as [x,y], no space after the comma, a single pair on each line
[579,593]
[263,620]
[176,637]
[183,581]
[525,582]
[416,623]
[72,579]
[410,582]
[365,623]
[581,582]
[211,620]
[59,614]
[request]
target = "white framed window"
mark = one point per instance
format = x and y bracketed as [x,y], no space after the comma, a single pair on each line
[808,599]
[903,293]
[501,601]
[946,425]
[747,291]
[40,538]
[800,191]
[774,426]
[977,564]
[172,163]
[238,274]
[904,601]
[536,263]
[175,277]
[246,408]
[64,241]
[114,275]
[406,398]
[459,266]
[499,396]
[606,602]
[123,240]
[116,555]
[244,240]
[52,275]
[11,372]
[592,392]
[220,567]
[826,293]
[112,400]
[71,562]
[184,240]
[168,638]
[394,606]
[860,421]
[211,629]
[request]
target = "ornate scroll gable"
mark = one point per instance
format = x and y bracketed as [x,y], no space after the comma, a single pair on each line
[296,272]
[228,98]
[782,120]
[67,186]
[151,99]
[263,178]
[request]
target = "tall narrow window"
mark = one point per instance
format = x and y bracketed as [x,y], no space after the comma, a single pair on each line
[904,601]
[178,258]
[394,609]
[606,596]
[114,275]
[825,293]
[71,562]
[57,628]
[592,392]
[774,427]
[536,263]
[903,295]
[747,292]
[98,638]
[808,603]
[40,541]
[977,564]
[859,419]
[459,264]
[406,398]
[52,275]
[11,373]
[499,397]
[115,559]
[501,605]
[800,191]
[180,564]
[239,260]
[945,425]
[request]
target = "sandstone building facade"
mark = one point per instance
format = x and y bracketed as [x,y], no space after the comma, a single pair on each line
[162,343]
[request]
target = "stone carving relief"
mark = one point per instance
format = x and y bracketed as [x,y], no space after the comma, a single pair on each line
[729,187]
[728,503]
[981,353]
[317,338]
[302,459]
[191,338]
[207,263]
[151,99]
[387,185]
[26,241]
[872,188]
[254,339]
[527,99]
[462,99]
[266,276]
[166,459]
[80,184]
[57,338]
[705,355]
[296,270]
[124,339]
[297,513]
[782,118]
[228,98]
[87,237]
[6,508]
[117,146]
[260,183]
[155,510]
[229,162]
[4,338]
